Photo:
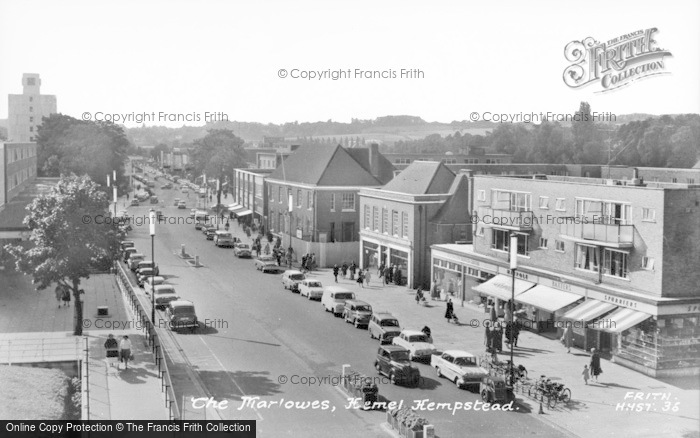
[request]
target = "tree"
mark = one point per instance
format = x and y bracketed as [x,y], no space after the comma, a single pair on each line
[66,249]
[160,147]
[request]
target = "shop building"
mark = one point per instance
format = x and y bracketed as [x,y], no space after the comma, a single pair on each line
[423,205]
[615,259]
[249,195]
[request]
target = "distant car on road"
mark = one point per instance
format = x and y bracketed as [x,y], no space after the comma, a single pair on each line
[291,280]
[242,250]
[393,361]
[262,261]
[154,199]
[271,267]
[182,205]
[193,212]
[224,239]
[311,289]
[181,314]
[135,203]
[176,201]
[459,367]
[209,232]
[419,346]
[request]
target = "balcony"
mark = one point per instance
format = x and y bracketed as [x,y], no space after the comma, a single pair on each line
[506,219]
[610,235]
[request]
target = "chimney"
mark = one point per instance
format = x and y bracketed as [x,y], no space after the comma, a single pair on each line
[374,159]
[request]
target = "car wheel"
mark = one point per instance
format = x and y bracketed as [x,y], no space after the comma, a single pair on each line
[355,323]
[438,372]
[392,378]
[456,382]
[378,367]
[484,396]
[410,356]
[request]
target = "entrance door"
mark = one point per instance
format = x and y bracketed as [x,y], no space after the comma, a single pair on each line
[605,342]
[348,231]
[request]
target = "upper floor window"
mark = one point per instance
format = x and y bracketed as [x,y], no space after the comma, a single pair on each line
[615,263]
[394,223]
[348,201]
[587,258]
[309,200]
[404,224]
[332,201]
[375,219]
[299,198]
[368,218]
[544,202]
[648,215]
[385,220]
[279,195]
[561,204]
[501,241]
[514,201]
[481,196]
[606,212]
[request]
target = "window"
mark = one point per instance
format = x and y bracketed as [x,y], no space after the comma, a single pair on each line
[615,263]
[544,202]
[332,201]
[543,243]
[561,204]
[309,200]
[299,198]
[348,201]
[648,215]
[674,180]
[513,201]
[279,194]
[367,218]
[31,129]
[385,220]
[375,219]
[31,109]
[605,212]
[482,195]
[404,224]
[559,245]
[501,241]
[691,180]
[31,119]
[395,223]
[587,258]
[648,263]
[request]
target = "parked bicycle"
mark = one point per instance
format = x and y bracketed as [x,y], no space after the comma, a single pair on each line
[502,368]
[554,391]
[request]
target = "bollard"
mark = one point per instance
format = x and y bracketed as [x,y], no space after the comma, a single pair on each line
[196,260]
[182,250]
[541,411]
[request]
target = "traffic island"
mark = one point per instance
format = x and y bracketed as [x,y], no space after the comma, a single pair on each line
[182,253]
[408,424]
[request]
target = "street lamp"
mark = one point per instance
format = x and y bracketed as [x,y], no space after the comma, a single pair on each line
[513,267]
[114,191]
[152,229]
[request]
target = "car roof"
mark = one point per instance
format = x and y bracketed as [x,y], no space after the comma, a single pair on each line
[458,353]
[223,232]
[157,278]
[165,286]
[311,280]
[333,289]
[293,272]
[384,315]
[391,347]
[412,332]
[178,303]
[357,302]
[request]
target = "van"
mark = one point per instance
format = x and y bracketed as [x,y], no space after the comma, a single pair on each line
[200,219]
[224,238]
[180,314]
[357,312]
[334,298]
[291,280]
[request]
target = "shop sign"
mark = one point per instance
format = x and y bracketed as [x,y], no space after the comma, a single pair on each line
[519,274]
[620,301]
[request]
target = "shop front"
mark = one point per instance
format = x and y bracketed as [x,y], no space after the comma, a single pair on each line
[370,255]
[583,318]
[399,259]
[499,291]
[545,307]
[447,280]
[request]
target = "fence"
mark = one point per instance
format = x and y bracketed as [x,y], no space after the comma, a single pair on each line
[153,340]
[30,350]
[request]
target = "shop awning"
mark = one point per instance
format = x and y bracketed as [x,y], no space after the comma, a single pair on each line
[589,310]
[621,320]
[237,209]
[233,206]
[547,298]
[500,287]
[242,213]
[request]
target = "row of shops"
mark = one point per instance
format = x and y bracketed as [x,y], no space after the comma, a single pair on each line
[659,337]
[374,254]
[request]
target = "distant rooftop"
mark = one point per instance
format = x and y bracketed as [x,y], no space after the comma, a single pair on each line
[13,213]
[597,181]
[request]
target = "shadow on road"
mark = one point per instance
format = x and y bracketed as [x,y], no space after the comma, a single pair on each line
[233,385]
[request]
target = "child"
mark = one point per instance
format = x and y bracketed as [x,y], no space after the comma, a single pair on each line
[586,375]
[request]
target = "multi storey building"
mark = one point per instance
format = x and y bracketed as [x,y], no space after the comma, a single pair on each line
[312,198]
[474,156]
[249,194]
[616,259]
[27,109]
[423,205]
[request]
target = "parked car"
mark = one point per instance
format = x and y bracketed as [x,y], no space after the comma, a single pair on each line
[181,314]
[143,275]
[357,312]
[209,232]
[271,268]
[147,264]
[176,201]
[393,361]
[383,326]
[155,281]
[124,244]
[185,190]
[263,260]
[164,294]
[127,253]
[459,367]
[311,289]
[334,298]
[193,213]
[167,186]
[224,238]
[135,203]
[419,345]
[291,280]
[242,250]
[134,260]
[182,205]
[493,389]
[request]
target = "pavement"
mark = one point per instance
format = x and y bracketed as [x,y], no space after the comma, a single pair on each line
[34,329]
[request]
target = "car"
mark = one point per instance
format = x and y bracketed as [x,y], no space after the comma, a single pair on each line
[459,367]
[311,289]
[124,244]
[200,219]
[154,199]
[242,250]
[147,264]
[263,260]
[127,253]
[271,268]
[224,239]
[419,346]
[153,281]
[334,298]
[181,314]
[144,275]
[357,312]
[193,212]
[393,361]
[291,280]
[185,190]
[134,260]
[176,201]
[143,197]
[166,186]
[135,203]
[383,326]
[182,205]
[493,389]
[164,294]
[209,232]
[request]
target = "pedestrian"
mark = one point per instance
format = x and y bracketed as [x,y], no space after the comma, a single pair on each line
[111,349]
[344,270]
[498,337]
[380,271]
[66,297]
[59,294]
[398,280]
[586,374]
[568,338]
[494,317]
[335,272]
[419,295]
[279,257]
[449,312]
[596,370]
[487,336]
[360,280]
[125,351]
[353,268]
[303,262]
[516,332]
[389,274]
[313,261]
[368,276]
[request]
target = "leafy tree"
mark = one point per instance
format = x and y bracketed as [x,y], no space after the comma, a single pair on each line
[160,147]
[66,249]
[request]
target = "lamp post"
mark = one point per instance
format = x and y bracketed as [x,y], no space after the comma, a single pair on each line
[513,267]
[114,191]
[152,229]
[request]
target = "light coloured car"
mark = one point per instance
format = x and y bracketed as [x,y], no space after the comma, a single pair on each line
[224,238]
[419,346]
[176,201]
[156,281]
[334,298]
[311,289]
[193,212]
[164,294]
[357,312]
[182,205]
[291,280]
[383,326]
[262,261]
[242,250]
[134,260]
[460,367]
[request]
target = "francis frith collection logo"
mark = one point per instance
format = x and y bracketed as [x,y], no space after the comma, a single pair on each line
[615,63]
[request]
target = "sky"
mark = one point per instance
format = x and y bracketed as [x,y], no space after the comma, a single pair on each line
[185,59]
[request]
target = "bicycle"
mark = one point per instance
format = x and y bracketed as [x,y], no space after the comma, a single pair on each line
[555,392]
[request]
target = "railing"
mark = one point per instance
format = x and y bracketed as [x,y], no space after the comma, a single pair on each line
[86,390]
[512,219]
[613,234]
[153,341]
[39,350]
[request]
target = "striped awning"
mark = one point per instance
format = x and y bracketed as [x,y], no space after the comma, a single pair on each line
[589,310]
[501,287]
[241,213]
[237,209]
[547,298]
[621,320]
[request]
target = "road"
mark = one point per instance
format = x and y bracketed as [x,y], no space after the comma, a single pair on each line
[264,341]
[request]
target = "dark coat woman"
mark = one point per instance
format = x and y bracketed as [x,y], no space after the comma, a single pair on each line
[450,311]
[595,364]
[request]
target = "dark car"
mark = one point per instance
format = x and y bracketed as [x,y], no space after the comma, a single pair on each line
[493,389]
[210,232]
[393,361]
[181,314]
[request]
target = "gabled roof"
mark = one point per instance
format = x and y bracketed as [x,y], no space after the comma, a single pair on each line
[385,170]
[697,165]
[456,209]
[324,165]
[422,178]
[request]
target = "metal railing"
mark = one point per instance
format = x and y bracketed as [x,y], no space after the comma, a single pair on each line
[514,219]
[25,350]
[153,341]
[615,234]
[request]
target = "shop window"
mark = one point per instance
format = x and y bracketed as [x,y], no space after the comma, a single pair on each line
[587,258]
[543,243]
[648,263]
[559,245]
[544,202]
[615,263]
[648,215]
[561,204]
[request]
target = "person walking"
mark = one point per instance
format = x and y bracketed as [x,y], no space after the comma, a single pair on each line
[449,312]
[335,272]
[125,351]
[419,295]
[59,294]
[487,336]
[360,280]
[516,332]
[498,337]
[353,268]
[66,297]
[586,374]
[111,349]
[595,364]
[568,337]
[344,270]
[368,276]
[380,271]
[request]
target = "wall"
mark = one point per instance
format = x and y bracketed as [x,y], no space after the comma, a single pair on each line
[681,243]
[327,254]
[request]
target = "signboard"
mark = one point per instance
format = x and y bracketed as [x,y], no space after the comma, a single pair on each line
[299,234]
